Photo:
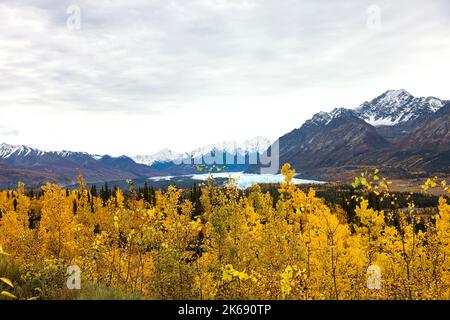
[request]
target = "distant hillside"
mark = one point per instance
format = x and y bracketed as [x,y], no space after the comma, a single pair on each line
[404,135]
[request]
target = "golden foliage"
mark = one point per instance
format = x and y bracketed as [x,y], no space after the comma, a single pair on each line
[240,247]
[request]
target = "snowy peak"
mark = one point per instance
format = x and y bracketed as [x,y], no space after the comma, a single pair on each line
[390,108]
[341,112]
[397,106]
[7,151]
[165,155]
[252,146]
[258,144]
[395,97]
[435,103]
[12,152]
[68,154]
[320,119]
[324,118]
[255,145]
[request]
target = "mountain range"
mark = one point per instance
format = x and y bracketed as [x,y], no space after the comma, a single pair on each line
[256,145]
[36,167]
[405,135]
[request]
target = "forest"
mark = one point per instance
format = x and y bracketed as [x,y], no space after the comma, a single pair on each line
[217,242]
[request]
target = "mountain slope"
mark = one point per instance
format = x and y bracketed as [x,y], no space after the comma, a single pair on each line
[340,139]
[64,166]
[404,134]
[252,146]
[165,155]
[397,106]
[432,135]
[38,167]
[427,148]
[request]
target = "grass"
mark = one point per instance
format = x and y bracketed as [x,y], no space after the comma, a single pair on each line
[53,286]
[94,292]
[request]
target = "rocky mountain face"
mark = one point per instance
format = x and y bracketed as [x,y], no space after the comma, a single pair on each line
[433,134]
[344,138]
[427,148]
[406,135]
[397,106]
[397,113]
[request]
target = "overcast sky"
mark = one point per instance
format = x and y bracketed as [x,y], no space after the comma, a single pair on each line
[141,75]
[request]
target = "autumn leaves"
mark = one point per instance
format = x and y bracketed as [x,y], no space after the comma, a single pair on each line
[236,247]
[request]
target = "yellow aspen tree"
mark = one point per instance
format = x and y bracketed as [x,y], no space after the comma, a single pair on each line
[58,227]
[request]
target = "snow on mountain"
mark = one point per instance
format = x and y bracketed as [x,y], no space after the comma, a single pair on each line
[252,146]
[68,154]
[7,151]
[321,118]
[390,108]
[397,106]
[340,112]
[257,145]
[96,156]
[165,155]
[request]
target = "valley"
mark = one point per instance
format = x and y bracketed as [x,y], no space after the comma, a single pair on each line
[408,137]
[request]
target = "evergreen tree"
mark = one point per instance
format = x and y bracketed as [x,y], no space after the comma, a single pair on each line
[74,207]
[152,196]
[94,191]
[146,193]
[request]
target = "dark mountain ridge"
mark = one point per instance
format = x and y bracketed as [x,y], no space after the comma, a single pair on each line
[404,135]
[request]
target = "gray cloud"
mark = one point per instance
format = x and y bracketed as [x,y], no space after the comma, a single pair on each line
[156,57]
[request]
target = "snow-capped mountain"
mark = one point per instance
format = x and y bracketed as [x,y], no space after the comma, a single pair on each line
[29,157]
[397,106]
[165,155]
[8,151]
[391,108]
[410,134]
[320,119]
[370,134]
[323,118]
[24,154]
[36,167]
[252,146]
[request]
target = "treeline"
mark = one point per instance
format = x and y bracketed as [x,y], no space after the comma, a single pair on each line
[341,195]
[215,242]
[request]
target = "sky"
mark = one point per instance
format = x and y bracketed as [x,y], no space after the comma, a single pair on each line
[133,77]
